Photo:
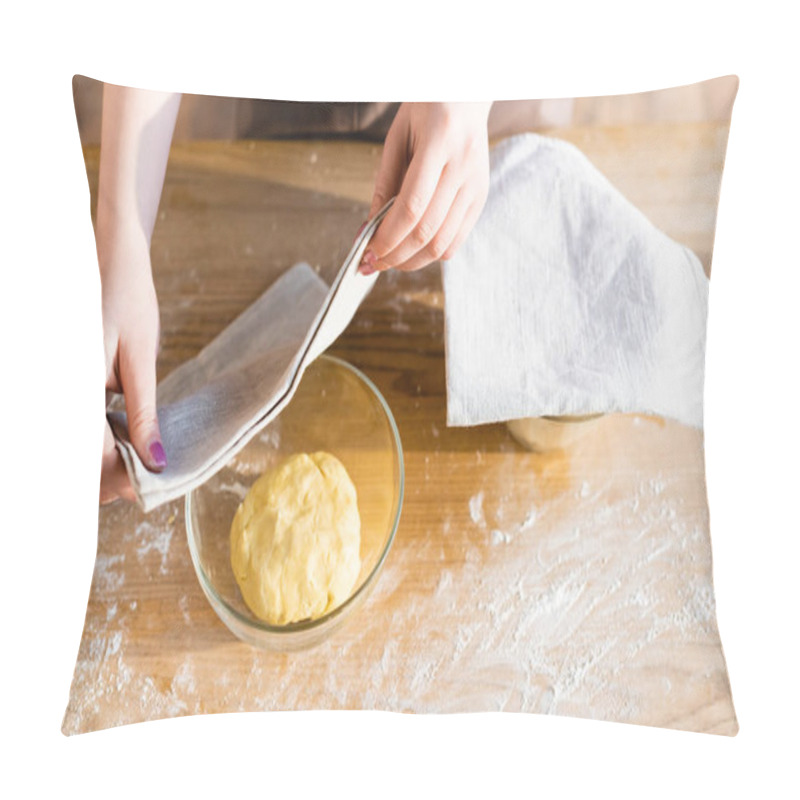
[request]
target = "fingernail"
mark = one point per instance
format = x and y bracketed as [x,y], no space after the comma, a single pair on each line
[364,269]
[157,455]
[369,259]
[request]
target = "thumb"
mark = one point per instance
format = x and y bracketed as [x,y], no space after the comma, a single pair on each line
[137,365]
[390,173]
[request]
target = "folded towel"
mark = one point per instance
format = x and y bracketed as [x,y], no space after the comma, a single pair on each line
[565,299]
[212,405]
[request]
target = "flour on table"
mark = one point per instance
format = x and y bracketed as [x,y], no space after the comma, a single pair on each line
[560,595]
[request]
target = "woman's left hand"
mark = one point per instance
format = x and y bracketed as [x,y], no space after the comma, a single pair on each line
[436,162]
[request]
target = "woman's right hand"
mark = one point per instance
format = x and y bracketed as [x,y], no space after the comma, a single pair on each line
[130,338]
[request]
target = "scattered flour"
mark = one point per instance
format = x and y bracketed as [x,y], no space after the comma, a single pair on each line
[566,612]
[234,487]
[271,435]
[498,537]
[476,509]
[108,571]
[150,538]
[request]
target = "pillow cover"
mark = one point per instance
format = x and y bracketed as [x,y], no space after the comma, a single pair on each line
[555,566]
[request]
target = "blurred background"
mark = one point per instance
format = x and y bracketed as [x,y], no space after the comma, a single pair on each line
[209,117]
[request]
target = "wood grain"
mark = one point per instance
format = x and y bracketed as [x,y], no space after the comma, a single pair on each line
[572,582]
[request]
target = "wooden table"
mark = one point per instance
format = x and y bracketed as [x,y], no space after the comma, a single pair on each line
[576,582]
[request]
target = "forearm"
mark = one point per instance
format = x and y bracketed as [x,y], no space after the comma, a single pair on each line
[137,129]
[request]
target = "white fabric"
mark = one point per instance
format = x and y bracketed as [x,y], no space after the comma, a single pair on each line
[565,299]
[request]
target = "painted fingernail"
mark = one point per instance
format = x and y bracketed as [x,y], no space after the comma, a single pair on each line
[157,455]
[369,259]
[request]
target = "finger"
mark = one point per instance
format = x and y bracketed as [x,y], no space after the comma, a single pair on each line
[443,239]
[391,170]
[114,482]
[412,201]
[137,363]
[472,216]
[429,235]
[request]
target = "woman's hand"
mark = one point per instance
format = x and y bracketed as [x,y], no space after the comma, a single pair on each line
[130,339]
[134,147]
[436,161]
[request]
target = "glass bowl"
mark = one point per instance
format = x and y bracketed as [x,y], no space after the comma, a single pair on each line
[337,409]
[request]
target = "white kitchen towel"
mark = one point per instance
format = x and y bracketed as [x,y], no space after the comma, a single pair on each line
[565,299]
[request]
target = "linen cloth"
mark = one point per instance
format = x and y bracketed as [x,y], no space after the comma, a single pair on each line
[213,404]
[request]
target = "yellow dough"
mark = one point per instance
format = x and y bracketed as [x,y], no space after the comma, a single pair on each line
[295,539]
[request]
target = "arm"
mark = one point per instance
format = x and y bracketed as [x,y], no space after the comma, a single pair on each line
[137,130]
[136,134]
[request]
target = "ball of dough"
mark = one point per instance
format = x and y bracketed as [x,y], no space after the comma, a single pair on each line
[295,539]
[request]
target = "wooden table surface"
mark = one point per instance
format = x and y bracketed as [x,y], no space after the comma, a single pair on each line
[576,582]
